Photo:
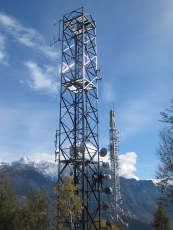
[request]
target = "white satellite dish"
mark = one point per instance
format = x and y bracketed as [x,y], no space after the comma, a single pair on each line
[103,152]
[105,165]
[107,177]
[108,190]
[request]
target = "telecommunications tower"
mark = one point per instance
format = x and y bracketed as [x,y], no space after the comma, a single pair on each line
[115,212]
[77,144]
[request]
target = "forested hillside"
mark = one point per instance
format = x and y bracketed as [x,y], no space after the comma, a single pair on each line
[139,196]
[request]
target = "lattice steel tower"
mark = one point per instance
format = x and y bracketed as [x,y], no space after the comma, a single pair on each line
[77,145]
[115,212]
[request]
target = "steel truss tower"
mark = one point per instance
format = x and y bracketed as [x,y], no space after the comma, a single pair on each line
[77,145]
[115,213]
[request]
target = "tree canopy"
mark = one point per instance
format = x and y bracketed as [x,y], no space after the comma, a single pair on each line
[68,202]
[34,214]
[8,204]
[168,117]
[164,152]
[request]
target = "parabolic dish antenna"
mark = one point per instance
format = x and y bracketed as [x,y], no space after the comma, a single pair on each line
[103,152]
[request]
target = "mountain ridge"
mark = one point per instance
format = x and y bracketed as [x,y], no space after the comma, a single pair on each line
[140,196]
[48,169]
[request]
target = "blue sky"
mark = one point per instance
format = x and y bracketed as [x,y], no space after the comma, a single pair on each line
[135,53]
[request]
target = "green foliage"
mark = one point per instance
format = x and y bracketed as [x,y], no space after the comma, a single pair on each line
[69,204]
[168,117]
[164,152]
[8,204]
[34,214]
[161,220]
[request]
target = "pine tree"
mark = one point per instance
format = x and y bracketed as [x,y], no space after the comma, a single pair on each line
[8,204]
[161,220]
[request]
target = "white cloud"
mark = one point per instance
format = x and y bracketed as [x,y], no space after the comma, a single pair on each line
[26,36]
[127,165]
[127,162]
[37,157]
[3,55]
[43,79]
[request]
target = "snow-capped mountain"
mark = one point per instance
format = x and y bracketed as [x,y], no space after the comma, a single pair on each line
[23,161]
[48,169]
[3,164]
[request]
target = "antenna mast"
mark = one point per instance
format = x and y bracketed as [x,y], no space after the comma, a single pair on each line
[115,213]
